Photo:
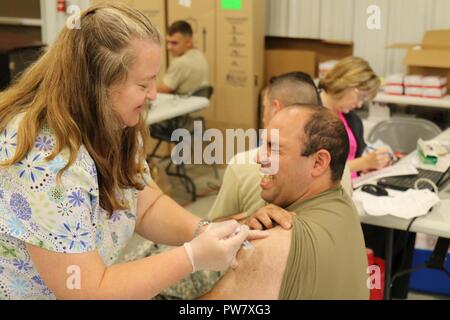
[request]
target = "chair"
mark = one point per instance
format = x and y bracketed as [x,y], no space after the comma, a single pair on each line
[203,91]
[402,133]
[163,133]
[436,260]
[15,61]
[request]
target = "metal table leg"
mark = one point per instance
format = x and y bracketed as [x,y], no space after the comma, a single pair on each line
[388,263]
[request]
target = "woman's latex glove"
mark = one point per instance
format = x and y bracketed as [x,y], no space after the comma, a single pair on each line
[215,249]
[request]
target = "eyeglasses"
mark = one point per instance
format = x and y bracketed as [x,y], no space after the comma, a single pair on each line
[362,96]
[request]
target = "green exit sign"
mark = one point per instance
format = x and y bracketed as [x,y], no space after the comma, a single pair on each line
[231,4]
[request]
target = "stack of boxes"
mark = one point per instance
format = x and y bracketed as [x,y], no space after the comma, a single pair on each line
[428,66]
[413,85]
[416,85]
[434,86]
[326,66]
[394,84]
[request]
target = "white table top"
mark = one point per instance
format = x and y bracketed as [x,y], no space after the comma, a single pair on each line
[437,222]
[167,106]
[415,101]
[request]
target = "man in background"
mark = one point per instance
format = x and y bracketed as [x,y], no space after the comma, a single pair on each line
[188,69]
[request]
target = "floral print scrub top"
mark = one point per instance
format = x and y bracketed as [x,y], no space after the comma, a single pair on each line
[63,218]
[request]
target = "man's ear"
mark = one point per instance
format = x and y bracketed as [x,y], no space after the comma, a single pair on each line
[276,105]
[322,161]
[190,41]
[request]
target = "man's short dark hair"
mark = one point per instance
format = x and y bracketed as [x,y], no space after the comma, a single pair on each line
[292,88]
[324,130]
[180,26]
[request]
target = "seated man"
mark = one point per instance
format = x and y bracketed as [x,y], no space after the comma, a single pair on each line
[239,194]
[240,188]
[240,191]
[189,69]
[323,255]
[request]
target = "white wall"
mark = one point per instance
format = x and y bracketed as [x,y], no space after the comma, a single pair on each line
[293,18]
[401,21]
[336,19]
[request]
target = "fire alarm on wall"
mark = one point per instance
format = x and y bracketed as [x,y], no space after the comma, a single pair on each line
[61,6]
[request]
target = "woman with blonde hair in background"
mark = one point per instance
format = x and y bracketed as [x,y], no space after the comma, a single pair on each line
[346,87]
[74,184]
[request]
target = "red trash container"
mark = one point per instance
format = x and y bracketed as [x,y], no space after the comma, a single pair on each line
[376,276]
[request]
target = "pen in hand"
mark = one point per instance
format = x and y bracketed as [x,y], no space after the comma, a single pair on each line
[391,156]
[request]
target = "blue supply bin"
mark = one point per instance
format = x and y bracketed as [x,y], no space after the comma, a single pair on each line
[429,280]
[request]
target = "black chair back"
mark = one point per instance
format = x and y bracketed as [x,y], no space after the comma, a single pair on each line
[204,91]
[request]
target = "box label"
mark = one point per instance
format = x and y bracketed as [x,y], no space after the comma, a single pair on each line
[185,3]
[231,4]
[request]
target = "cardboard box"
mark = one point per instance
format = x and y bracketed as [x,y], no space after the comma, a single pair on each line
[393,89]
[434,82]
[279,61]
[289,54]
[201,15]
[21,8]
[413,80]
[434,92]
[326,66]
[413,91]
[156,11]
[431,57]
[240,54]
[395,79]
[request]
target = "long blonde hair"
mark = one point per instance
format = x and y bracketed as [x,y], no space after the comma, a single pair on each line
[67,90]
[350,72]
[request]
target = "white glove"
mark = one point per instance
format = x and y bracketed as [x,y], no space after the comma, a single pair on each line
[215,248]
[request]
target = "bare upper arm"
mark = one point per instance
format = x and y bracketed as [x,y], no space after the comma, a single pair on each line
[260,270]
[69,276]
[163,88]
[145,200]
